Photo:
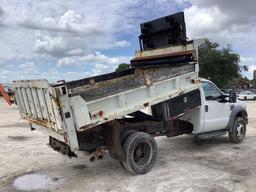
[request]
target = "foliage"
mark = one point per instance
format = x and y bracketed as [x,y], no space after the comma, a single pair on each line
[219,65]
[122,67]
[253,82]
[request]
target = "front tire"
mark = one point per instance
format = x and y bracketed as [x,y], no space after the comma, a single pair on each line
[140,151]
[238,131]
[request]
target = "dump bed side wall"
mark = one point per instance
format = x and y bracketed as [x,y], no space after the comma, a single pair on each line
[96,112]
[132,81]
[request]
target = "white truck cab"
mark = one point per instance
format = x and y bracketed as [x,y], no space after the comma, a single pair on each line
[218,112]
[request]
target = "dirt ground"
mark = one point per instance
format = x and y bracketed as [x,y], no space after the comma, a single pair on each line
[183,165]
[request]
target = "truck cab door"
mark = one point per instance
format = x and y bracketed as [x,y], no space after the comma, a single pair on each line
[216,111]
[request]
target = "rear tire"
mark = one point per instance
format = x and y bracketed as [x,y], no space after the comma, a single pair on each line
[244,98]
[140,151]
[238,131]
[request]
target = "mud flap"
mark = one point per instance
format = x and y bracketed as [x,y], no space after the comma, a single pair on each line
[61,147]
[112,136]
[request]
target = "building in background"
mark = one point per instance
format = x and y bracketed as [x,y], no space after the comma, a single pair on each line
[244,83]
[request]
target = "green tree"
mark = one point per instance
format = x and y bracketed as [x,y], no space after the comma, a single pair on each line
[253,82]
[219,65]
[122,67]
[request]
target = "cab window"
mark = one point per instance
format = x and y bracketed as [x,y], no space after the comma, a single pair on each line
[211,92]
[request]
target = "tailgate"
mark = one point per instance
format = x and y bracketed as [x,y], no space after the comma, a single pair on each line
[39,103]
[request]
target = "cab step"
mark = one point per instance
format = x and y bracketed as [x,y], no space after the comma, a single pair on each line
[208,135]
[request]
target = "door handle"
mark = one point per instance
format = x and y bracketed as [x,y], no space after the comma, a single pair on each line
[206,107]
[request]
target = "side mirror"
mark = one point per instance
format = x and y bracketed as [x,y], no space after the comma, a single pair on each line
[232,96]
[222,98]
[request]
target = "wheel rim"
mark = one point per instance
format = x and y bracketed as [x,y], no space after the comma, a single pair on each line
[240,130]
[142,154]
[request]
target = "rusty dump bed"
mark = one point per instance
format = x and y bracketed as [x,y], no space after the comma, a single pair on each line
[63,109]
[95,88]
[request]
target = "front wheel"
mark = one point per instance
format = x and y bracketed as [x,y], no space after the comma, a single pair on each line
[140,151]
[238,131]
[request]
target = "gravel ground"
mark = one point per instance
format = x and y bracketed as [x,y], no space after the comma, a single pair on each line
[183,165]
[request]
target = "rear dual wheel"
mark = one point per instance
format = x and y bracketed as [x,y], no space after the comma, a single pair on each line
[140,151]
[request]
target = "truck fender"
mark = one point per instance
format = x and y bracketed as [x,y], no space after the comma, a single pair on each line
[238,111]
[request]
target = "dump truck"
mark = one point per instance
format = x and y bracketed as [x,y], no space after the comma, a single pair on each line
[121,112]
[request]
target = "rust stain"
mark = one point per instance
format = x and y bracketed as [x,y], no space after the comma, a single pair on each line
[44,123]
[86,127]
